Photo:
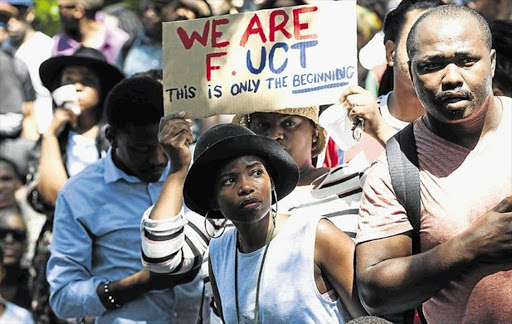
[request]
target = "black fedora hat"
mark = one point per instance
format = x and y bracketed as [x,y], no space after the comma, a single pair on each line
[225,142]
[51,69]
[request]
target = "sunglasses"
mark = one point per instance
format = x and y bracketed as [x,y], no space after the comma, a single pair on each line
[17,234]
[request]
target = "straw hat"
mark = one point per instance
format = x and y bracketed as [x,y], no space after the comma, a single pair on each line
[310,113]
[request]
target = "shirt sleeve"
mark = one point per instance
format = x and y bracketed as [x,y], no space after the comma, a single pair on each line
[69,270]
[175,245]
[380,213]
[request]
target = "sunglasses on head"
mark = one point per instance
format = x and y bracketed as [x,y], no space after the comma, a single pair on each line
[17,234]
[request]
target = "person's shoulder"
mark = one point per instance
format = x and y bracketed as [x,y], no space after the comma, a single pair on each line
[89,178]
[15,314]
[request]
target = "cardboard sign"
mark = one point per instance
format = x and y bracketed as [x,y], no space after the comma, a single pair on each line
[260,61]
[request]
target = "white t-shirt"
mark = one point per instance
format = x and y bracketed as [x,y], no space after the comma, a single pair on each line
[81,152]
[14,314]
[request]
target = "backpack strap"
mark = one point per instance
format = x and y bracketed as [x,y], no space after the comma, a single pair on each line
[405,177]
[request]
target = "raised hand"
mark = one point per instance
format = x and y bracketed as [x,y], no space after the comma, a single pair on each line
[174,136]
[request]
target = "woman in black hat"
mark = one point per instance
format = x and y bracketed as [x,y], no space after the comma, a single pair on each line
[74,138]
[272,267]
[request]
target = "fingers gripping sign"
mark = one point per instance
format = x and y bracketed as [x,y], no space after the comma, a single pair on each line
[175,136]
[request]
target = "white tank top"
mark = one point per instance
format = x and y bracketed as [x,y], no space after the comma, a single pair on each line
[288,292]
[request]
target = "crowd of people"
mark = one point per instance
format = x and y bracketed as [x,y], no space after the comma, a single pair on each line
[111,212]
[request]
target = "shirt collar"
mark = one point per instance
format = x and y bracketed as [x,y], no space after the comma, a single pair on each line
[113,173]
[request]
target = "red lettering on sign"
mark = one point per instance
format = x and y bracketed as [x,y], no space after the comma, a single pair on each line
[297,26]
[279,27]
[209,66]
[216,34]
[189,41]
[255,20]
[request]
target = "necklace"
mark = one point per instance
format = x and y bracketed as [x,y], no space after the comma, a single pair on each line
[256,307]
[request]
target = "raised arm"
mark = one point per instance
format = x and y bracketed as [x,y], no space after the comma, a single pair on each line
[52,172]
[171,241]
[334,254]
[391,280]
[361,103]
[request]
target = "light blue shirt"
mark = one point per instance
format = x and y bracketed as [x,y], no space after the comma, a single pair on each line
[144,55]
[96,237]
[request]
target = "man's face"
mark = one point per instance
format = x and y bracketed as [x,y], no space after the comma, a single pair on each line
[294,133]
[67,11]
[17,26]
[452,68]
[138,150]
[401,59]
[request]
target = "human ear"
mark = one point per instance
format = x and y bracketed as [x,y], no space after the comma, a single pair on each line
[110,134]
[390,52]
[493,61]
[30,15]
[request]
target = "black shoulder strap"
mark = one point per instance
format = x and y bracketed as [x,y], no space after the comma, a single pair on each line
[405,179]
[405,176]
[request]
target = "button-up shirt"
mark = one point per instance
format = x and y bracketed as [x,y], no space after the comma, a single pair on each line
[96,238]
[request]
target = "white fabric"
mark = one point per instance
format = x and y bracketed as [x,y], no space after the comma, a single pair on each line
[82,151]
[288,292]
[396,123]
[33,52]
[13,314]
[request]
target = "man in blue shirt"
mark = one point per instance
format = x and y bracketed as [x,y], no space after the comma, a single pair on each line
[95,267]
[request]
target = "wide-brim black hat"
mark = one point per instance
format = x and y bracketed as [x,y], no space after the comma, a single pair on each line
[50,70]
[225,142]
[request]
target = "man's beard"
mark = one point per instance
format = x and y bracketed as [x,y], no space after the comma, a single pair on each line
[70,27]
[17,39]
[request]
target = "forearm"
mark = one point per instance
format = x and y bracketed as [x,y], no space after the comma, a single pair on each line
[384,133]
[401,283]
[52,173]
[174,245]
[170,200]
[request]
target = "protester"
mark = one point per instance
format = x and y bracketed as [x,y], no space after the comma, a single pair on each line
[239,175]
[81,26]
[464,150]
[13,241]
[95,266]
[32,47]
[10,313]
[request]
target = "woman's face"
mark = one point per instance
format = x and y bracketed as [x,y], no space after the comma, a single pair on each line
[13,237]
[9,183]
[243,190]
[87,85]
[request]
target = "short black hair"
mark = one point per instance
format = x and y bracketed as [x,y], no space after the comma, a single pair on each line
[14,166]
[451,12]
[136,101]
[395,19]
[502,43]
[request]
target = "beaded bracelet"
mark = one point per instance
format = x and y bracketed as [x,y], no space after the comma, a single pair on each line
[112,303]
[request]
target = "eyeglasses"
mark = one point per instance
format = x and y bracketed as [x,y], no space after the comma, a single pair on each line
[17,234]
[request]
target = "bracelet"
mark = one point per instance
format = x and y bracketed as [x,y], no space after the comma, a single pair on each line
[111,301]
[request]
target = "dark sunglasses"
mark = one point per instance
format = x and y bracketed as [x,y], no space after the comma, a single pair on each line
[17,234]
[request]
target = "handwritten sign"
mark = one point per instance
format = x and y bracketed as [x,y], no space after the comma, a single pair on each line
[260,61]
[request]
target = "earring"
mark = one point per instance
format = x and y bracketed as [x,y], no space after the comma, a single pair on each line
[274,197]
[223,226]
